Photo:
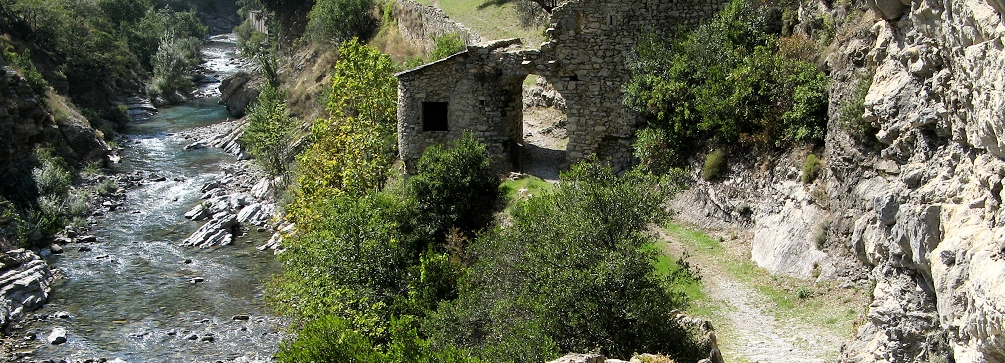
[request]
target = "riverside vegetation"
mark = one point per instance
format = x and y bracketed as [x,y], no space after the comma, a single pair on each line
[90,51]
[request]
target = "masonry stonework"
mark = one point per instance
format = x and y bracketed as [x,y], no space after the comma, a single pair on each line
[419,24]
[590,42]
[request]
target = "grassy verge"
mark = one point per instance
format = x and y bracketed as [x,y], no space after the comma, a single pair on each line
[822,305]
[489,20]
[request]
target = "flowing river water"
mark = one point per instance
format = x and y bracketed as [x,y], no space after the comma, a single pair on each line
[134,295]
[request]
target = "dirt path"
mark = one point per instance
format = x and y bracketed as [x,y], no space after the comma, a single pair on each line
[747,324]
[544,142]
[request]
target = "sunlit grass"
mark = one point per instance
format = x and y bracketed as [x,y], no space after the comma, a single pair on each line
[490,21]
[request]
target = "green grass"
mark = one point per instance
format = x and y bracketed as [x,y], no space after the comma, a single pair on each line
[525,187]
[491,21]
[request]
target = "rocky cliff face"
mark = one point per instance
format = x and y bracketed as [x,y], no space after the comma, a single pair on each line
[914,207]
[26,121]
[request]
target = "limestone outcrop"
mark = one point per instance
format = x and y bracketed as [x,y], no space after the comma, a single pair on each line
[914,206]
[25,282]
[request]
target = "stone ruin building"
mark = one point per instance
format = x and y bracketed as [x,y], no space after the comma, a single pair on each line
[481,89]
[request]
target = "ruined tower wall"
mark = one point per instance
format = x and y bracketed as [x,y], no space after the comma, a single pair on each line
[585,61]
[591,40]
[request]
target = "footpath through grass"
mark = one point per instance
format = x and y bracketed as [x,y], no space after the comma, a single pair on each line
[826,308]
[490,20]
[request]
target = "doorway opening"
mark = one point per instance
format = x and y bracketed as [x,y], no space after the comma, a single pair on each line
[545,136]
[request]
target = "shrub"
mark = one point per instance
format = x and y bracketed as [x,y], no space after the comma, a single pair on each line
[570,272]
[335,21]
[455,187]
[352,150]
[728,81]
[811,167]
[852,111]
[804,293]
[28,71]
[173,64]
[445,46]
[106,188]
[269,131]
[715,164]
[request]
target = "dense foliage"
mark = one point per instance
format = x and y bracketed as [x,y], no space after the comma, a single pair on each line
[571,273]
[367,267]
[729,81]
[445,46]
[99,44]
[351,152]
[37,199]
[270,131]
[334,21]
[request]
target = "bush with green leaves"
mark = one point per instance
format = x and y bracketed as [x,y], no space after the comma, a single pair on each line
[729,81]
[852,112]
[571,272]
[811,168]
[445,46]
[455,187]
[28,71]
[369,261]
[173,65]
[270,130]
[335,21]
[715,164]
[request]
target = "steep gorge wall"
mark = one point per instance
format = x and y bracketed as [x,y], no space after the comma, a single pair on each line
[916,211]
[26,121]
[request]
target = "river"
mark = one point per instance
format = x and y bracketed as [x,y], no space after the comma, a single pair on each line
[134,295]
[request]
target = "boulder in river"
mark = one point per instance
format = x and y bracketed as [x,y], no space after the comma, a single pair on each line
[219,231]
[237,92]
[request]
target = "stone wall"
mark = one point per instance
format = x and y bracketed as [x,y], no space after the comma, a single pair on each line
[419,24]
[484,98]
[590,41]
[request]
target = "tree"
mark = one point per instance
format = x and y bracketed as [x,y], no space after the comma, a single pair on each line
[352,150]
[572,272]
[334,21]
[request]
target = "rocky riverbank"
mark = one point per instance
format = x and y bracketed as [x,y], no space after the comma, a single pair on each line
[244,198]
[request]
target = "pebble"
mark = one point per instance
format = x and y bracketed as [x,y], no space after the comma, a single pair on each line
[88,238]
[101,257]
[242,317]
[196,280]
[188,261]
[55,249]
[192,337]
[208,338]
[57,336]
[84,249]
[61,315]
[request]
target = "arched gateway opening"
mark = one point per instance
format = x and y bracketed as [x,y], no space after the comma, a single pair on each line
[543,137]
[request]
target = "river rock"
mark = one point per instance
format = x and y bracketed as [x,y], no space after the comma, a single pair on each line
[198,213]
[25,283]
[217,232]
[237,92]
[256,213]
[262,189]
[57,336]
